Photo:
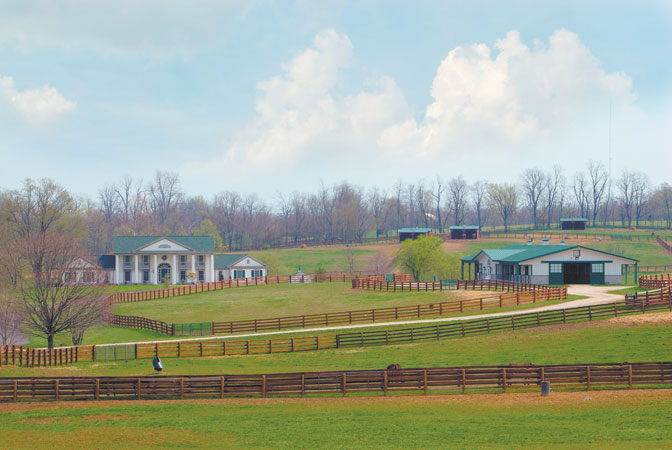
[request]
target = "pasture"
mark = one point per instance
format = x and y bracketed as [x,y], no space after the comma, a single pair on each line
[630,338]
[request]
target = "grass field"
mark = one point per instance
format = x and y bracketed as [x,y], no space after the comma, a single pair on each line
[244,303]
[568,420]
[631,338]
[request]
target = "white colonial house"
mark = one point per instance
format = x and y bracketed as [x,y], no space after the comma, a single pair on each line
[178,259]
[549,264]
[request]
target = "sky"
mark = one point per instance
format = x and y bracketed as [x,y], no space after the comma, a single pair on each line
[267,96]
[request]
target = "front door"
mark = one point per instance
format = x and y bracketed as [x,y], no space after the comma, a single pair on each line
[163,271]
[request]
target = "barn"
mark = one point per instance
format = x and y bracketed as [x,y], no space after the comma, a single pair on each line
[413,233]
[464,232]
[573,223]
[549,264]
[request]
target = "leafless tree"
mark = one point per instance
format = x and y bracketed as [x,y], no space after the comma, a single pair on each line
[380,209]
[641,195]
[625,186]
[504,199]
[165,194]
[350,260]
[11,318]
[533,184]
[437,192]
[580,188]
[554,184]
[378,263]
[598,183]
[479,192]
[109,202]
[423,198]
[458,190]
[52,303]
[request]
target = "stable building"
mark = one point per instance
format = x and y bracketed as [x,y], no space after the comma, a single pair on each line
[573,223]
[464,232]
[413,233]
[549,264]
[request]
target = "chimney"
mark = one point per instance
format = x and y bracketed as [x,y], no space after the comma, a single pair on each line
[544,241]
[529,241]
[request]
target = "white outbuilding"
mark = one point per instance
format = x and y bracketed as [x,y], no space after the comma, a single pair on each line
[549,264]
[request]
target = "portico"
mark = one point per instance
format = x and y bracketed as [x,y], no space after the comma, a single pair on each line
[153,259]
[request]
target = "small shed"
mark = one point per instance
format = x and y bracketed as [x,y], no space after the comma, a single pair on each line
[464,232]
[573,223]
[413,233]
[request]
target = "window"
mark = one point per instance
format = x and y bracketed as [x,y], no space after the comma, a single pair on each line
[145,276]
[201,275]
[597,267]
[252,274]
[238,274]
[260,273]
[145,260]
[221,276]
[88,277]
[127,276]
[555,268]
[183,275]
[127,260]
[183,260]
[201,260]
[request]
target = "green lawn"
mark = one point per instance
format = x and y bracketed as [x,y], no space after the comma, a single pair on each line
[104,334]
[275,300]
[330,258]
[597,420]
[602,341]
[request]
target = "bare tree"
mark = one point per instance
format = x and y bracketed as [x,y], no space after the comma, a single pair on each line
[598,182]
[378,263]
[380,209]
[554,182]
[640,195]
[165,195]
[533,183]
[504,199]
[424,201]
[350,260]
[625,186]
[479,192]
[580,188]
[52,303]
[109,202]
[458,189]
[11,318]
[437,192]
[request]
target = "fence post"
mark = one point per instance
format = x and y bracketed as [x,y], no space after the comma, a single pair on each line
[425,380]
[15,389]
[181,388]
[385,382]
[629,376]
[56,387]
[138,388]
[464,380]
[263,386]
[97,388]
[221,387]
[303,385]
[588,378]
[344,383]
[504,378]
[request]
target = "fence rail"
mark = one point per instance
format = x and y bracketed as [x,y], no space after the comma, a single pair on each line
[660,281]
[524,294]
[636,304]
[459,379]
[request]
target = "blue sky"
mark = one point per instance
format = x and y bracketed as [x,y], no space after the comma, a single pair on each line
[266,96]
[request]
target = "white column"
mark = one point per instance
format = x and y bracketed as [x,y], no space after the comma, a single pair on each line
[136,276]
[212,267]
[174,272]
[193,263]
[155,274]
[116,269]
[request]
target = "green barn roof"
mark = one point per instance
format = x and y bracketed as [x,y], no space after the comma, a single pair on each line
[129,244]
[414,230]
[520,252]
[464,227]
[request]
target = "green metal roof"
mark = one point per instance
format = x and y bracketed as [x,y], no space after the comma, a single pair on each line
[414,230]
[129,244]
[521,252]
[464,227]
[574,219]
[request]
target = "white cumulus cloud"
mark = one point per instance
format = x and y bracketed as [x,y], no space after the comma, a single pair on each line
[513,94]
[35,105]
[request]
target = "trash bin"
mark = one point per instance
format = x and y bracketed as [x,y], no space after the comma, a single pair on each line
[545,388]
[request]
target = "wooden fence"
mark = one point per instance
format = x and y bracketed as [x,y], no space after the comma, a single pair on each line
[446,330]
[524,294]
[424,380]
[659,281]
[377,284]
[661,268]
[664,244]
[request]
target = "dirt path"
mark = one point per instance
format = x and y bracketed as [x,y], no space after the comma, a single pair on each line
[597,295]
